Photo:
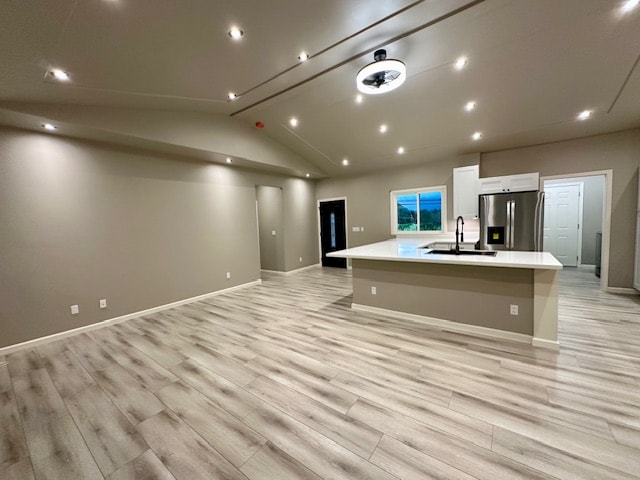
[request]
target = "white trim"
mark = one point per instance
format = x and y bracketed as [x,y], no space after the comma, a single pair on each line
[346,225]
[544,343]
[623,290]
[112,321]
[446,324]
[606,227]
[295,270]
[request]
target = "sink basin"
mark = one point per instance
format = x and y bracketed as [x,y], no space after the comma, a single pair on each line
[488,253]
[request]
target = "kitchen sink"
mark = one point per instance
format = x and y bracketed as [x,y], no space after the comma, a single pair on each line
[488,253]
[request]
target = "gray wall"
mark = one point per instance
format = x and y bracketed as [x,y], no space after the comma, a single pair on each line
[368,195]
[269,220]
[619,152]
[592,213]
[81,221]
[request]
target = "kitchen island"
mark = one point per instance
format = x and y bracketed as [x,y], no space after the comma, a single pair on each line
[513,295]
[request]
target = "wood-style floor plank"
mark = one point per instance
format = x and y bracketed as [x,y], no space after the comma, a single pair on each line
[408,463]
[284,380]
[187,455]
[319,453]
[109,435]
[351,434]
[144,467]
[224,432]
[58,451]
[271,462]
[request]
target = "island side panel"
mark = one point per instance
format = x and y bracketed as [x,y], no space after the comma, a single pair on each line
[479,296]
[545,316]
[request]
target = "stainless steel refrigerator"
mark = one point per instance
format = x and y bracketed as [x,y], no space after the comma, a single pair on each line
[512,221]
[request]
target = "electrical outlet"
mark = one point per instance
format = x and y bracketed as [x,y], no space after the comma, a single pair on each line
[228,275]
[513,309]
[75,309]
[355,229]
[300,259]
[103,303]
[374,290]
[273,232]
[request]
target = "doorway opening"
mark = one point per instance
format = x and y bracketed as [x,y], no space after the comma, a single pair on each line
[577,220]
[332,220]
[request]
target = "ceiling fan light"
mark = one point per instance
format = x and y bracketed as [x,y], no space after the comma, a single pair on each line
[381,76]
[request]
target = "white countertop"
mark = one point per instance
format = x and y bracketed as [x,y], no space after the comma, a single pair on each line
[408,250]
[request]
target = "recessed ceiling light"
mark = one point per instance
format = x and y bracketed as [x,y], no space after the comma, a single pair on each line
[345,162]
[293,121]
[232,96]
[303,56]
[470,106]
[48,126]
[460,63]
[584,115]
[630,5]
[307,175]
[359,98]
[476,136]
[59,74]
[229,160]
[235,33]
[383,128]
[400,150]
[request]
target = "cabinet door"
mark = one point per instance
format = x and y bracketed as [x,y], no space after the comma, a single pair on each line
[491,185]
[522,183]
[465,192]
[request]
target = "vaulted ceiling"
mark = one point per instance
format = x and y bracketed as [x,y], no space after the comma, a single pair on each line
[157,74]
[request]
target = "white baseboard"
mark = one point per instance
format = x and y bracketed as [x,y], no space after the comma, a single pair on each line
[447,324]
[290,272]
[543,343]
[112,321]
[623,291]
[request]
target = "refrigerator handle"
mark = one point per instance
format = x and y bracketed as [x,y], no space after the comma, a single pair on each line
[537,226]
[507,236]
[512,242]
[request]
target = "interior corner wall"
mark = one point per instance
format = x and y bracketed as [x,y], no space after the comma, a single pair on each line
[81,221]
[368,201]
[270,227]
[618,151]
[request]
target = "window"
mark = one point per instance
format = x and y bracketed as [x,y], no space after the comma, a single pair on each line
[419,210]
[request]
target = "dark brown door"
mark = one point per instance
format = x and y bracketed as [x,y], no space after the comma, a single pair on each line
[333,234]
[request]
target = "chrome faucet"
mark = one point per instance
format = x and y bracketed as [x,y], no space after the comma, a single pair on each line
[459,232]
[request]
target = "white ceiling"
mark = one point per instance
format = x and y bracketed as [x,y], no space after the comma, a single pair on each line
[156,74]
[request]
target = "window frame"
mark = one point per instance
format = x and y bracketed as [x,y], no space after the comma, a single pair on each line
[393,202]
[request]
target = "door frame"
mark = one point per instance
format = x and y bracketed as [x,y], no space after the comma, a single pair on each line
[569,183]
[606,227]
[346,225]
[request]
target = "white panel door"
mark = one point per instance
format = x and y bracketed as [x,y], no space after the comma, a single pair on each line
[561,222]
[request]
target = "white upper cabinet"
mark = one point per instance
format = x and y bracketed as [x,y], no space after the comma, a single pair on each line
[465,191]
[509,183]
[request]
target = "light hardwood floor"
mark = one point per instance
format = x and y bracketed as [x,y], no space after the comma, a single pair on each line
[283,381]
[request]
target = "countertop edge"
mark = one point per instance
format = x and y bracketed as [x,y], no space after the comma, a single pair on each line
[415,254]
